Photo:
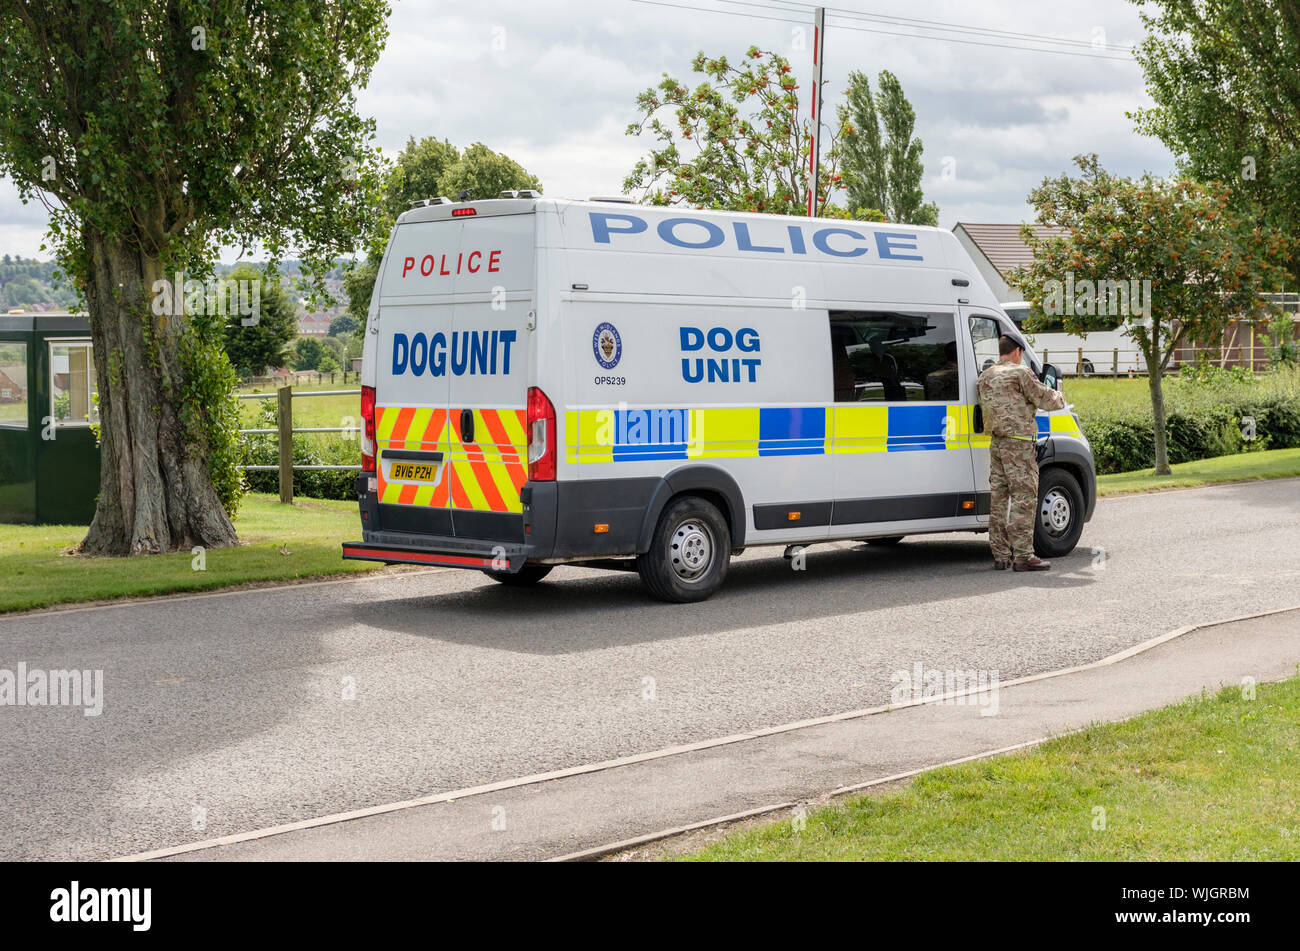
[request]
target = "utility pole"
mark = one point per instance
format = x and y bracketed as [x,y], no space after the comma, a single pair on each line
[819,35]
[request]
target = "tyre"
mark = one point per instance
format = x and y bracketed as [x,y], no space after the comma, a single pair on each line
[890,540]
[689,552]
[1088,368]
[525,577]
[1058,522]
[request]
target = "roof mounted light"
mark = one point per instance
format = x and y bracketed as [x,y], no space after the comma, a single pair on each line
[508,193]
[529,193]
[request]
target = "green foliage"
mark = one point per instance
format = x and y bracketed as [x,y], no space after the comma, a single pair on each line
[1208,410]
[418,173]
[343,324]
[882,159]
[307,354]
[426,168]
[254,347]
[209,411]
[190,129]
[742,147]
[329,362]
[1206,263]
[484,174]
[309,449]
[1222,76]
[27,283]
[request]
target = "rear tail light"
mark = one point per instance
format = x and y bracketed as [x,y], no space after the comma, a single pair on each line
[541,437]
[367,429]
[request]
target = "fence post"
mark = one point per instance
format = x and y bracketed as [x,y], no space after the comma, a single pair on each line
[284,414]
[1114,363]
[1078,368]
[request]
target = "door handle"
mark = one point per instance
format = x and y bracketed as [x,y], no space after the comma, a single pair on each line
[979,418]
[467,425]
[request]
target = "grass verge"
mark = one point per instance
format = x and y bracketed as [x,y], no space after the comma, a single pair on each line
[1212,778]
[1242,467]
[280,543]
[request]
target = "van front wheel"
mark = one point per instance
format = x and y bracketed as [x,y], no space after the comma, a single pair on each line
[689,552]
[1058,523]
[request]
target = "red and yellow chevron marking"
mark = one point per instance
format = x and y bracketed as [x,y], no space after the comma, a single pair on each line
[485,475]
[405,427]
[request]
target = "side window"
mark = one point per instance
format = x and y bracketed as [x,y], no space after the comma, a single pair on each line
[984,338]
[72,384]
[13,384]
[893,357]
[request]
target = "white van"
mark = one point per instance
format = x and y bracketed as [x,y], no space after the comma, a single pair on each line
[1106,350]
[564,382]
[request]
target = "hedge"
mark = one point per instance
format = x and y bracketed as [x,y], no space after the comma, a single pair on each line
[1204,419]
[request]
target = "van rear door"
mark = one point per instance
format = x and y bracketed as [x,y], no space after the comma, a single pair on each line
[452,367]
[488,373]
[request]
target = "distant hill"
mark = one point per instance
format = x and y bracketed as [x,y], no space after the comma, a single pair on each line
[29,284]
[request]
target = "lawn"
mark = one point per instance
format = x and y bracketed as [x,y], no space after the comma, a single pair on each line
[1212,778]
[280,543]
[309,411]
[1242,467]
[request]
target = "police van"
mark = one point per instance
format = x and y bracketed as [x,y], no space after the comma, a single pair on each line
[595,383]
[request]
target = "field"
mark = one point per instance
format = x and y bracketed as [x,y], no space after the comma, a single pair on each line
[311,411]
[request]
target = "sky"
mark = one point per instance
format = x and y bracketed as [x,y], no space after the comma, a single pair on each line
[552,83]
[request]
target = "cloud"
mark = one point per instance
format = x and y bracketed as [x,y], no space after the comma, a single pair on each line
[553,85]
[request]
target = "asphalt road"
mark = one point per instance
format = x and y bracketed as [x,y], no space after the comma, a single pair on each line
[232,712]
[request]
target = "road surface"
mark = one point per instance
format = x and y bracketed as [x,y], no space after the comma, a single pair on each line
[225,713]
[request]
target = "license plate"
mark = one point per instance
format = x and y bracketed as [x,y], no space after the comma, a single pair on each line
[413,472]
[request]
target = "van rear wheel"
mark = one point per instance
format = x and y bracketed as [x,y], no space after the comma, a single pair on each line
[525,577]
[689,552]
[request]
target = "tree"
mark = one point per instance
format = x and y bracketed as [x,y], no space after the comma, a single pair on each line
[156,131]
[307,353]
[425,169]
[343,325]
[256,342]
[1222,76]
[485,174]
[1203,265]
[882,159]
[735,142]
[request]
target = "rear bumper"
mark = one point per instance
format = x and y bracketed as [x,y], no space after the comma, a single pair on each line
[440,552]
[557,525]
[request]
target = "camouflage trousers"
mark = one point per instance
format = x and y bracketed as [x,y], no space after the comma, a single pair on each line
[1013,486]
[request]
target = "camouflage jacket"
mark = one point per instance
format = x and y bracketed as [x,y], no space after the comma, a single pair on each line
[1010,394]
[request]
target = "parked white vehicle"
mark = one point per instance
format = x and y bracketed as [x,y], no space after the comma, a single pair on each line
[1098,347]
[554,382]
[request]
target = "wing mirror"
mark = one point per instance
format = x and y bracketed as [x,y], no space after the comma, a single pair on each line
[1050,376]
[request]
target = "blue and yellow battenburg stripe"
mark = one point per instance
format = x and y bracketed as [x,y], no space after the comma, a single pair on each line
[623,435]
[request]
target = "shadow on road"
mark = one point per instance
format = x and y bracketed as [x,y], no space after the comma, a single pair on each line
[597,607]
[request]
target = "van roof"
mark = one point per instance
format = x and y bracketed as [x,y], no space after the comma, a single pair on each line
[524,206]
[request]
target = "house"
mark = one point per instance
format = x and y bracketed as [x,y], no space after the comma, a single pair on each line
[996,249]
[13,383]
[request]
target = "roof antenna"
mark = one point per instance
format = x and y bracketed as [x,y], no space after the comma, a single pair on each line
[464,195]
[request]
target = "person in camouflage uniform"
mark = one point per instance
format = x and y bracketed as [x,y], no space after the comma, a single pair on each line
[1010,394]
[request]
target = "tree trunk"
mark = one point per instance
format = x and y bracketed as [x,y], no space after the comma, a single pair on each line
[1156,385]
[155,493]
